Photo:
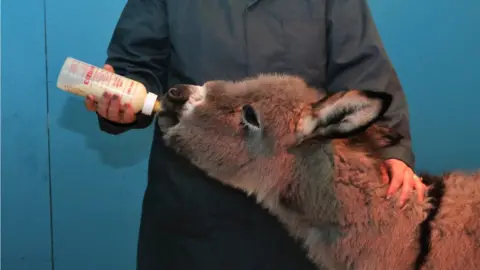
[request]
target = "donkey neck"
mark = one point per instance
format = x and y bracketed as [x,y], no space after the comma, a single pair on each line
[357,182]
[337,184]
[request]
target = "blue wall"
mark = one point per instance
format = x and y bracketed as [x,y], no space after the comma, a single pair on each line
[25,156]
[65,183]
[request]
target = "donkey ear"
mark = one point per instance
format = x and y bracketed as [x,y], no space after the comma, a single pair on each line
[348,112]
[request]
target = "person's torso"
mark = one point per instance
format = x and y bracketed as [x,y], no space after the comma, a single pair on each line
[230,40]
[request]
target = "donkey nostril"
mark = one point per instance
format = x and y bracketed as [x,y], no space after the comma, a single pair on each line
[178,94]
[174,92]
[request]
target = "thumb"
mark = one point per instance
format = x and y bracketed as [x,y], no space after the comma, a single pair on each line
[108,68]
[385,174]
[397,178]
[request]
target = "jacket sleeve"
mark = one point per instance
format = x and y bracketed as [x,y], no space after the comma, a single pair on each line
[139,49]
[357,60]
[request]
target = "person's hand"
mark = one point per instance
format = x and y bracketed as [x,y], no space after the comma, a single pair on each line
[109,106]
[399,175]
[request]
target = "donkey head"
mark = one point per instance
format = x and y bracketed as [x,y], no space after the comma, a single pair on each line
[260,133]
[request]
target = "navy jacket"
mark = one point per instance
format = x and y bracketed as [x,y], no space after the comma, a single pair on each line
[188,220]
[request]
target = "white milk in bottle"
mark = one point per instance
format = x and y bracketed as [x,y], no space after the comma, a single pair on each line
[83,79]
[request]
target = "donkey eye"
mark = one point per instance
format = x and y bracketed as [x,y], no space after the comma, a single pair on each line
[250,117]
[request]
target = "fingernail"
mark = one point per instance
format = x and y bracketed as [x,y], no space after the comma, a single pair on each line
[115,97]
[105,94]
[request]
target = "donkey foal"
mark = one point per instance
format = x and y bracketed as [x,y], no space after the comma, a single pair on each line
[313,160]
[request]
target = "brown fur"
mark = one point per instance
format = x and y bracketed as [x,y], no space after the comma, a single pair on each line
[327,190]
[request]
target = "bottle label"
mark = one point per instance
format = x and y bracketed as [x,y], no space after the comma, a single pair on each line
[96,81]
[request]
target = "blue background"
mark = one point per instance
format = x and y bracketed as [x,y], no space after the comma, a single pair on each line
[72,191]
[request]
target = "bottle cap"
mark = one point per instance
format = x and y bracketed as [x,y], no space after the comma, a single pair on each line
[149,103]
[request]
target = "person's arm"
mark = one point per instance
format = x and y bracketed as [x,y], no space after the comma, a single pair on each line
[139,49]
[357,60]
